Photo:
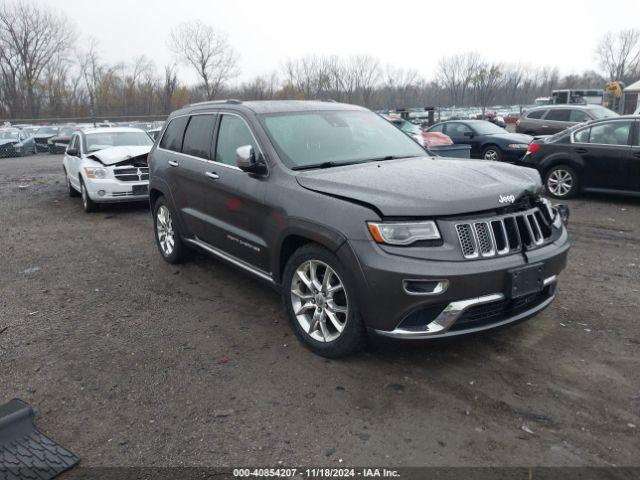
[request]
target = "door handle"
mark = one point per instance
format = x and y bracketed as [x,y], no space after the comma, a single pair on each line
[580,150]
[172,163]
[212,175]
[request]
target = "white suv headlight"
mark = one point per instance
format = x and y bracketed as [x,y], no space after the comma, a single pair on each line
[95,172]
[403,233]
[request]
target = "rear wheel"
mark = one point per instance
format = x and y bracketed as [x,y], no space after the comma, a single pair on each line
[321,303]
[167,235]
[561,181]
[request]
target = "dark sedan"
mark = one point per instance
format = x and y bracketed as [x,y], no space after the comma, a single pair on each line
[487,141]
[59,143]
[599,156]
[16,143]
[43,135]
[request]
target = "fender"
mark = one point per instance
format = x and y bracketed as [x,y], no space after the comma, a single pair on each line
[324,235]
[161,186]
[566,158]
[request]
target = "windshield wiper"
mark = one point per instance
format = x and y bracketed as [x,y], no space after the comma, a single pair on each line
[321,165]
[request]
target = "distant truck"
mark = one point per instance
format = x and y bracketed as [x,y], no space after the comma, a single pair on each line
[567,96]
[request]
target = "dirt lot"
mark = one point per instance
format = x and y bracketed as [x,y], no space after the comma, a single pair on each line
[130,361]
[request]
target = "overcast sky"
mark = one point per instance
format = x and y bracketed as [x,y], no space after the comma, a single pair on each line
[410,34]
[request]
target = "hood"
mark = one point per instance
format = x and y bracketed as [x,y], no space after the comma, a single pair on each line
[61,138]
[418,187]
[113,155]
[512,137]
[6,141]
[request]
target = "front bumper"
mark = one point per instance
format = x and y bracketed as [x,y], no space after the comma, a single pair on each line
[388,309]
[113,191]
[513,155]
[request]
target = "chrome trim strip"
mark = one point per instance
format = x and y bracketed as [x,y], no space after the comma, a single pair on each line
[231,259]
[452,312]
[441,287]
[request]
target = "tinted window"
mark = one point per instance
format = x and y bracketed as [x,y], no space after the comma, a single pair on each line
[579,116]
[172,138]
[197,138]
[536,114]
[559,115]
[437,128]
[233,133]
[611,133]
[582,136]
[457,129]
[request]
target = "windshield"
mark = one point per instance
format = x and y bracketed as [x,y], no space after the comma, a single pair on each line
[66,131]
[601,112]
[47,131]
[102,140]
[9,134]
[336,137]
[487,128]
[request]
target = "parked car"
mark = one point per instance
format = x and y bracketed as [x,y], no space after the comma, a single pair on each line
[599,156]
[552,119]
[59,143]
[511,118]
[358,229]
[106,165]
[487,140]
[16,143]
[423,137]
[42,136]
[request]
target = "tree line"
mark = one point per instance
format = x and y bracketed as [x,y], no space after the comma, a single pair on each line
[45,74]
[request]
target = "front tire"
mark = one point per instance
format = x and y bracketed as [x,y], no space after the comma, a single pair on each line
[561,181]
[321,304]
[492,153]
[167,235]
[88,204]
[72,191]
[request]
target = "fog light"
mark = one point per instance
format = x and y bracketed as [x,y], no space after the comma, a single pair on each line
[101,193]
[425,287]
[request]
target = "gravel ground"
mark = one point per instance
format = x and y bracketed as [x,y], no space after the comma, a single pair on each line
[130,361]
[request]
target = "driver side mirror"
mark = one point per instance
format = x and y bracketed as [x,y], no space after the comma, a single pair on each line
[248,162]
[72,152]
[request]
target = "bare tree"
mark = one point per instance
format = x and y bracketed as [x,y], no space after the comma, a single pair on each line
[207,51]
[169,87]
[455,74]
[31,35]
[485,83]
[619,53]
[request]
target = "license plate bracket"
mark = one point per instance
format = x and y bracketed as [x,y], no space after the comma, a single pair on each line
[526,280]
[139,189]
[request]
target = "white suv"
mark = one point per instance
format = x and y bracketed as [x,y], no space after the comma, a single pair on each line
[106,165]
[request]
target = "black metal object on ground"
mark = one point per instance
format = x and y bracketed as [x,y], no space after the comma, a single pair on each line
[25,453]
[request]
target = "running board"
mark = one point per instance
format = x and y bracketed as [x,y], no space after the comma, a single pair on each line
[231,259]
[24,451]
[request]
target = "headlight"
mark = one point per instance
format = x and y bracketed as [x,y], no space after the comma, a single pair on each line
[95,172]
[403,233]
[518,146]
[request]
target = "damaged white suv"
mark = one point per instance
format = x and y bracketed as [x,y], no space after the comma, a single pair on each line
[106,165]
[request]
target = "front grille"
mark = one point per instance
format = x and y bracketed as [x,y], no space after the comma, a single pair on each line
[131,174]
[494,312]
[504,234]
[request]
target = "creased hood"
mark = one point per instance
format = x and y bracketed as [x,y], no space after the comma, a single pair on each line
[6,141]
[425,186]
[112,155]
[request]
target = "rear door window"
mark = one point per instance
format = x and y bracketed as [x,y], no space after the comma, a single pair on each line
[579,116]
[560,115]
[610,133]
[199,136]
[233,133]
[536,114]
[173,135]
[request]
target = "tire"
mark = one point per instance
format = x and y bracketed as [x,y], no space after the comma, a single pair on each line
[492,153]
[174,251]
[562,181]
[72,191]
[88,204]
[316,318]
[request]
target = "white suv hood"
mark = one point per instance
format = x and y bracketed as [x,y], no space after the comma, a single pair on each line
[110,156]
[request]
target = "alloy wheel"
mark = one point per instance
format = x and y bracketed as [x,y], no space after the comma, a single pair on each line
[491,155]
[319,301]
[560,182]
[165,231]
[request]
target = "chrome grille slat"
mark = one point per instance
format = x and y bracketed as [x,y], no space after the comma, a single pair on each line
[131,174]
[502,235]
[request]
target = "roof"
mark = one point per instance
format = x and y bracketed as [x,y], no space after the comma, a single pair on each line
[274,106]
[634,87]
[564,106]
[89,131]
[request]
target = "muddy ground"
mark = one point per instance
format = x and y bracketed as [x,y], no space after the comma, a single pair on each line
[130,361]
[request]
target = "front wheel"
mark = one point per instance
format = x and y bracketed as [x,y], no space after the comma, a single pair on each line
[492,153]
[88,204]
[321,303]
[561,181]
[72,191]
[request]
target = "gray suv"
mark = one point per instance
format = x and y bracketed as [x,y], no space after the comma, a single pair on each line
[552,119]
[357,226]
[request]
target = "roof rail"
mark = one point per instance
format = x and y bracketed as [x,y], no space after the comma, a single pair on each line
[231,101]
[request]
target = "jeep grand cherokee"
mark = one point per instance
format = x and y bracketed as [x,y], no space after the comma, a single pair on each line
[354,222]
